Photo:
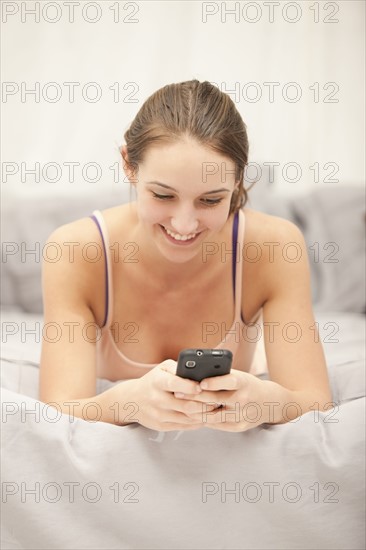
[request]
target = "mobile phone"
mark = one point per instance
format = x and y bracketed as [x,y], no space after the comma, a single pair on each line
[197,364]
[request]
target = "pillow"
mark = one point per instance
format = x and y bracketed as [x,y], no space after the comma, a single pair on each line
[264,198]
[332,220]
[27,222]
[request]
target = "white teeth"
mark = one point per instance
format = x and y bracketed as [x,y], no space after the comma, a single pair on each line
[178,237]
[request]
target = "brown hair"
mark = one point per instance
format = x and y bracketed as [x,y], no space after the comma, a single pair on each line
[197,110]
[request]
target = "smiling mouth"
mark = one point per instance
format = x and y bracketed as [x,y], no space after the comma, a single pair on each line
[180,239]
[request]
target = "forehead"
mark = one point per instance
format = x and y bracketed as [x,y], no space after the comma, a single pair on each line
[186,162]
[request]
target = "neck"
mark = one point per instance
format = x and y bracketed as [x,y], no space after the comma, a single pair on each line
[174,276]
[169,275]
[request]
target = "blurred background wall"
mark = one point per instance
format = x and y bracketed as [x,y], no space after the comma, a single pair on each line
[74,74]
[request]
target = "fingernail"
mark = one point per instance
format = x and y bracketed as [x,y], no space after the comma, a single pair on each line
[198,389]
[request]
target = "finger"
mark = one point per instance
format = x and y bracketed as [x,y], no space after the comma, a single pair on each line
[224,382]
[223,397]
[213,417]
[225,419]
[179,417]
[169,381]
[179,410]
[168,366]
[194,410]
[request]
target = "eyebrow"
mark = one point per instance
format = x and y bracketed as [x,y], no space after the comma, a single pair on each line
[172,188]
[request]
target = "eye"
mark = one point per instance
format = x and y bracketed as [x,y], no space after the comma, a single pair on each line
[161,197]
[211,202]
[205,202]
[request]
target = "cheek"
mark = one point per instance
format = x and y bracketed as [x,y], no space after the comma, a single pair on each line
[215,217]
[150,212]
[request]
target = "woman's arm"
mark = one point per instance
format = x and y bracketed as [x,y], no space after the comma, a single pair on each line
[295,356]
[68,373]
[68,356]
[114,406]
[282,405]
[70,331]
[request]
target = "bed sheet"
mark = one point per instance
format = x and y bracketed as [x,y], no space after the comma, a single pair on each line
[69,484]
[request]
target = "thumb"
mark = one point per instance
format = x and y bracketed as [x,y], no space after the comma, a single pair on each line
[169,365]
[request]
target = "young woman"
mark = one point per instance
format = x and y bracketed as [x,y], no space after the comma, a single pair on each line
[184,266]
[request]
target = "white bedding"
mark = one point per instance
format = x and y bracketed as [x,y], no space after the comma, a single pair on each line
[293,486]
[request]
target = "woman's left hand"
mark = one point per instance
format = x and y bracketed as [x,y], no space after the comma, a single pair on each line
[241,397]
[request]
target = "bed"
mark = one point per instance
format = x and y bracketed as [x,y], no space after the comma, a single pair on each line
[72,484]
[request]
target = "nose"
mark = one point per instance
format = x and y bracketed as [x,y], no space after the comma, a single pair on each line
[185,222]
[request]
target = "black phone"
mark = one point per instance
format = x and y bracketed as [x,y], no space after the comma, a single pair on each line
[197,364]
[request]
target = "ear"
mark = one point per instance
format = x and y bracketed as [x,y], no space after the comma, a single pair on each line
[127,168]
[236,187]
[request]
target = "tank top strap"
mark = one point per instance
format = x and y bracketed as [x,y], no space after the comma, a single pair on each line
[99,220]
[238,258]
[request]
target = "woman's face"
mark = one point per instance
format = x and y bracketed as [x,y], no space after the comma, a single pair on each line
[183,197]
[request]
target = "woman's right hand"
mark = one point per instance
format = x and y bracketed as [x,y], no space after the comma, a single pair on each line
[156,406]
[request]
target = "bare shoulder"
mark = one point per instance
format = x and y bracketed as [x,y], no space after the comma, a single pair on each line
[275,239]
[266,227]
[83,234]
[82,255]
[272,246]
[86,227]
[77,243]
[72,253]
